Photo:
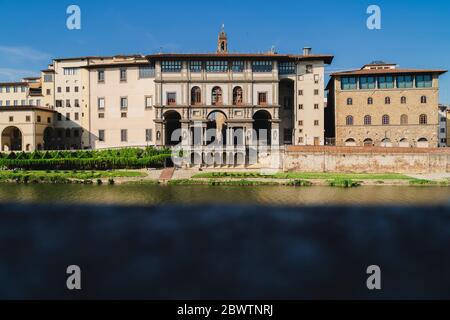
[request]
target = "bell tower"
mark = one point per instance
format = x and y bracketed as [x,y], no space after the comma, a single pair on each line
[222,43]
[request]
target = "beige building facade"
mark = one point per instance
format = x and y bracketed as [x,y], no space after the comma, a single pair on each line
[382,105]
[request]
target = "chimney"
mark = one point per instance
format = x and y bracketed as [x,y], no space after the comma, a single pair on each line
[306,51]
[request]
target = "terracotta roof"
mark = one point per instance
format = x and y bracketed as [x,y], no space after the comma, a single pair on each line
[25,108]
[385,71]
[327,58]
[14,84]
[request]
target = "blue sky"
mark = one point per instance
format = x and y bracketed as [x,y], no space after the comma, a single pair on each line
[414,34]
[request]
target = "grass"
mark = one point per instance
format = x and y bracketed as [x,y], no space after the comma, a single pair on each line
[343,183]
[241,182]
[306,175]
[56,176]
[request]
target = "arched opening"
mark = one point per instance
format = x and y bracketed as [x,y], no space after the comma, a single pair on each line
[49,139]
[349,101]
[196,96]
[11,139]
[350,142]
[216,96]
[349,120]
[386,142]
[422,143]
[216,128]
[368,142]
[237,96]
[385,120]
[262,126]
[423,119]
[403,143]
[367,120]
[172,126]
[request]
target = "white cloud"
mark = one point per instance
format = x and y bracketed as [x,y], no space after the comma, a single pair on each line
[10,74]
[22,53]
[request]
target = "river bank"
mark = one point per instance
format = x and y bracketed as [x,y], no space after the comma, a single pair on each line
[217,178]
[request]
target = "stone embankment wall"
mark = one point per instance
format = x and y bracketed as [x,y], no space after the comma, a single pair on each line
[366,159]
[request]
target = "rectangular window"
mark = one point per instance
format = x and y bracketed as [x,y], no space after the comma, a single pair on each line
[59,103]
[7,103]
[424,81]
[59,116]
[67,116]
[348,83]
[123,135]
[123,74]
[286,67]
[300,106]
[101,115]
[146,72]
[67,89]
[67,103]
[149,101]
[262,98]
[101,135]
[49,120]
[171,98]
[11,119]
[59,89]
[38,102]
[77,103]
[31,102]
[171,66]
[101,75]
[309,68]
[316,106]
[195,66]
[300,92]
[148,135]
[262,66]
[101,103]
[216,66]
[123,115]
[316,92]
[237,66]
[49,92]
[48,78]
[7,89]
[316,122]
[76,89]
[23,89]
[16,103]
[367,83]
[123,103]
[386,82]
[1,103]
[316,78]
[27,118]
[38,118]
[22,102]
[16,89]
[404,82]
[76,116]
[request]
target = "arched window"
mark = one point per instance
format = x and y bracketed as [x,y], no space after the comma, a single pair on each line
[403,100]
[387,100]
[216,97]
[423,99]
[368,142]
[403,119]
[196,96]
[385,119]
[350,142]
[349,120]
[367,120]
[423,119]
[369,100]
[349,101]
[237,96]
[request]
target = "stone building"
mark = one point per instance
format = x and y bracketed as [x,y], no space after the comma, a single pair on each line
[383,105]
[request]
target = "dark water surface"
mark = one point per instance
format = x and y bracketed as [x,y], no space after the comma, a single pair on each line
[272,195]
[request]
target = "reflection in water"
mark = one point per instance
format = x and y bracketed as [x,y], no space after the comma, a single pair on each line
[156,194]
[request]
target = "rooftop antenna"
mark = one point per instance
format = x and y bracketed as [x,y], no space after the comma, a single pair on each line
[273,49]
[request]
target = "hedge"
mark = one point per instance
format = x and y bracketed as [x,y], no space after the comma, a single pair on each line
[155,161]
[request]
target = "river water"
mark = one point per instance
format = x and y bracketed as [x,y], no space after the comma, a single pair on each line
[266,195]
